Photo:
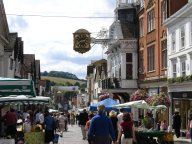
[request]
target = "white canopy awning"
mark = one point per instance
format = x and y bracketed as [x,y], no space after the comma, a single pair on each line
[22,99]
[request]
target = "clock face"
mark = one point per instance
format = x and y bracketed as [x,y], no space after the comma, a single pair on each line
[82,41]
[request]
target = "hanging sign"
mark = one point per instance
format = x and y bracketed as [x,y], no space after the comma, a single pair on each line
[81,41]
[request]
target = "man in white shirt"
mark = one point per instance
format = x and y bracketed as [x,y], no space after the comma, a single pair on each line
[41,118]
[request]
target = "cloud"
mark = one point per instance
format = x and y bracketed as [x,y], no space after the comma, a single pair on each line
[47,27]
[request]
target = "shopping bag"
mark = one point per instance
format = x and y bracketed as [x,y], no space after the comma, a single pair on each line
[56,138]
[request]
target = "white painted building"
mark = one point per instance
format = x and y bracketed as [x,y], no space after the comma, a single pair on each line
[179,48]
[122,55]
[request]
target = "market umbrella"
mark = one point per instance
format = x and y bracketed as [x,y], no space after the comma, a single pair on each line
[12,86]
[109,105]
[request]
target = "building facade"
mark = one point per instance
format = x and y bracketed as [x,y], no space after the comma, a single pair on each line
[122,57]
[96,72]
[4,39]
[180,61]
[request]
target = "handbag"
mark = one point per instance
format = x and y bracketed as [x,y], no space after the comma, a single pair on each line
[56,138]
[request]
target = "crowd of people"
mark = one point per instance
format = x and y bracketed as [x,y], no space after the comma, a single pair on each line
[119,128]
[97,128]
[14,124]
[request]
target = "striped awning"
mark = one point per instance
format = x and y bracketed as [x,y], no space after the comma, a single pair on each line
[12,86]
[22,99]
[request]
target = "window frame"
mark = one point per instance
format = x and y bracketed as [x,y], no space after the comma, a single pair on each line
[190,33]
[182,37]
[183,68]
[129,63]
[151,58]
[173,42]
[164,54]
[150,20]
[174,70]
[141,27]
[141,62]
[163,11]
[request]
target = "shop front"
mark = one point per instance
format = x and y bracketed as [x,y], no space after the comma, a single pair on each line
[182,102]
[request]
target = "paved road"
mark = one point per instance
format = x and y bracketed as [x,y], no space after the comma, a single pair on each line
[73,136]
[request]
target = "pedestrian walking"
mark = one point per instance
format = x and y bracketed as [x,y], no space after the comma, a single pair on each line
[101,128]
[114,119]
[66,122]
[61,124]
[49,128]
[83,118]
[11,122]
[72,118]
[127,132]
[120,119]
[177,123]
[88,125]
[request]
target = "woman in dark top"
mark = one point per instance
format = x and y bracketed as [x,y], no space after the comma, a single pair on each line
[114,119]
[127,132]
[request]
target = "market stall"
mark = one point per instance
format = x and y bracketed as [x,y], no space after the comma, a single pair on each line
[149,136]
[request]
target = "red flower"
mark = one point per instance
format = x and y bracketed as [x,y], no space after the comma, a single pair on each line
[139,95]
[159,99]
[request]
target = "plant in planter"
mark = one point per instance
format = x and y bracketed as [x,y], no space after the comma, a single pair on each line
[139,94]
[159,99]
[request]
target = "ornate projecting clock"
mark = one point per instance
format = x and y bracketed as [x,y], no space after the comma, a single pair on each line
[82,41]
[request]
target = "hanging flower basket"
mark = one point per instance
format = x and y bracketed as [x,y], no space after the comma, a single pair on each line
[159,99]
[139,94]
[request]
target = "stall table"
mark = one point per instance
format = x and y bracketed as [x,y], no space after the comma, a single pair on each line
[154,137]
[34,138]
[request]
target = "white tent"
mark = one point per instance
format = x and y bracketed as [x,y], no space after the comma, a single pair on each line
[134,104]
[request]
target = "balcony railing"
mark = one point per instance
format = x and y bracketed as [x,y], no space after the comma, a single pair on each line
[110,83]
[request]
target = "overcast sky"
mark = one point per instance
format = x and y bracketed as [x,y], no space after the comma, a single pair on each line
[47,27]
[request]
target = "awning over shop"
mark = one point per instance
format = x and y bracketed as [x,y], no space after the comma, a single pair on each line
[22,99]
[12,86]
